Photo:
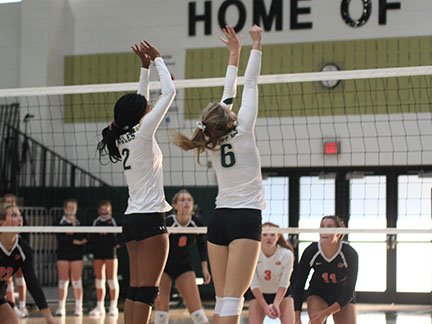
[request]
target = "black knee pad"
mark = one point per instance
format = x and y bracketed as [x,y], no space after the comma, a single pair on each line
[132,293]
[147,295]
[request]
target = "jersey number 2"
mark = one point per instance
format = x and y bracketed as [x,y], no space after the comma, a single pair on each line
[125,153]
[227,156]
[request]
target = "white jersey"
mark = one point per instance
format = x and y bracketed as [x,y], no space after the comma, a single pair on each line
[273,272]
[141,155]
[237,163]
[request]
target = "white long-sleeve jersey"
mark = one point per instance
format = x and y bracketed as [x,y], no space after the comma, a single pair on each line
[141,155]
[237,163]
[273,272]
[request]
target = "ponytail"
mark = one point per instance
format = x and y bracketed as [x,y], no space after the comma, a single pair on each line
[211,129]
[128,111]
[108,146]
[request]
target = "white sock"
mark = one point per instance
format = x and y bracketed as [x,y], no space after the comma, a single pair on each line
[100,304]
[78,304]
[22,304]
[62,304]
[113,304]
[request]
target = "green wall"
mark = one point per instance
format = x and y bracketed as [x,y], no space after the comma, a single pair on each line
[296,99]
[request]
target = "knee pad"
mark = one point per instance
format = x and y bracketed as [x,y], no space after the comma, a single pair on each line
[147,295]
[218,305]
[199,317]
[113,284]
[77,284]
[63,284]
[161,317]
[132,293]
[232,306]
[19,281]
[100,283]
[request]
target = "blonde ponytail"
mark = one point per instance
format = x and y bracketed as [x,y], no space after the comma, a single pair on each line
[213,126]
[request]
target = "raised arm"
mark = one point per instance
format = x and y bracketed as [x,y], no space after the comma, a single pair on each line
[249,108]
[143,85]
[233,44]
[152,120]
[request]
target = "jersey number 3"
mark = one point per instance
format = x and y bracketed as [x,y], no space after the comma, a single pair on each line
[267,274]
[227,156]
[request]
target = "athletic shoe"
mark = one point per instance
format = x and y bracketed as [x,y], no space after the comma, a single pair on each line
[24,311]
[113,311]
[78,312]
[60,312]
[96,312]
[19,313]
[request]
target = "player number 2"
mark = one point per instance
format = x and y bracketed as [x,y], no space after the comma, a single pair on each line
[326,277]
[125,154]
[227,156]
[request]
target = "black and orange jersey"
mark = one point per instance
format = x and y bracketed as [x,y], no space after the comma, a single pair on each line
[335,277]
[181,245]
[20,256]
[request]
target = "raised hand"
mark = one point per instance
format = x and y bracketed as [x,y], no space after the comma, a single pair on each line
[149,50]
[145,59]
[232,41]
[255,33]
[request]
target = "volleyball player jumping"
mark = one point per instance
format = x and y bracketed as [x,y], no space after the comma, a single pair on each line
[234,230]
[131,138]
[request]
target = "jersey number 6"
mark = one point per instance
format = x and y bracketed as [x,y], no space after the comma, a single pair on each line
[227,156]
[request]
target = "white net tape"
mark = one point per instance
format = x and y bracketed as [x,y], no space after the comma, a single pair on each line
[203,230]
[213,82]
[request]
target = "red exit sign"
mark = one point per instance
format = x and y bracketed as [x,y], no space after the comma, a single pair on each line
[331,147]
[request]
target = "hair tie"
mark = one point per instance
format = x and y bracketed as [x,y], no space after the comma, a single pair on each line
[201,125]
[113,123]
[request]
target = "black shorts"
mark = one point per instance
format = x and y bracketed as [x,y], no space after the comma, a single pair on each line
[138,227]
[105,254]
[269,298]
[175,271]
[69,255]
[3,300]
[229,224]
[329,298]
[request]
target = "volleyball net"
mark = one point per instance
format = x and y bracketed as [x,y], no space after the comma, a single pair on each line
[353,143]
